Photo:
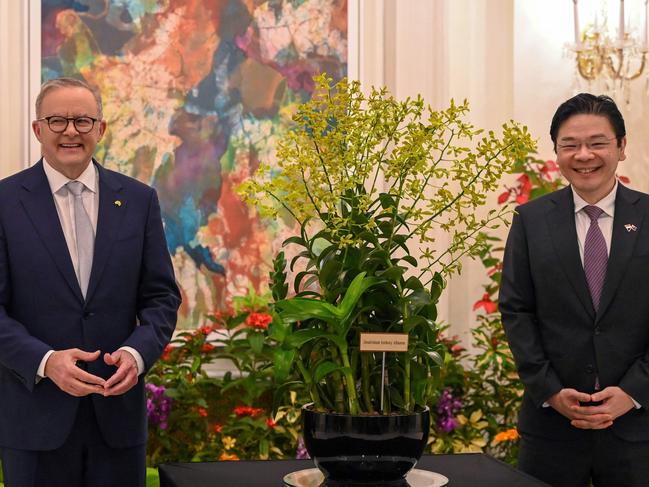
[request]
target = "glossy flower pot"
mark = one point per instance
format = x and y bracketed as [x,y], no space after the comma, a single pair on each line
[366,449]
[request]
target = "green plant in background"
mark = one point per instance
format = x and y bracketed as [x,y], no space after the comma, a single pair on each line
[488,383]
[368,179]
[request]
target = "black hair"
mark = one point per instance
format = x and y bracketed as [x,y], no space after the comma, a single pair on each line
[585,103]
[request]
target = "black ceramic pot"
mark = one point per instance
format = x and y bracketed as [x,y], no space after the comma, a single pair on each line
[366,449]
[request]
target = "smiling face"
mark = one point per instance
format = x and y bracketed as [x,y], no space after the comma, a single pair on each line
[68,152]
[590,171]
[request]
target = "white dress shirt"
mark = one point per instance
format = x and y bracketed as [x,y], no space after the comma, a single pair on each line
[64,202]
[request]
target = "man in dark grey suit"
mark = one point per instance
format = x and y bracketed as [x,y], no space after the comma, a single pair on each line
[575,306]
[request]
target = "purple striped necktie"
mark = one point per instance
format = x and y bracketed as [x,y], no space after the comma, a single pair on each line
[595,255]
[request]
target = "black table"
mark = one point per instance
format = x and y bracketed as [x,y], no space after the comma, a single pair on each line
[463,470]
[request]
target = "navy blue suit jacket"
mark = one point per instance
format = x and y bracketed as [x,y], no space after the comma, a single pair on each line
[132,300]
[557,338]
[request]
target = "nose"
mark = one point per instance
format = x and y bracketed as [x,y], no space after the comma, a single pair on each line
[583,153]
[70,130]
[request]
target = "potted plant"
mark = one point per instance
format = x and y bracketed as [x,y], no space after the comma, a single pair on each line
[367,180]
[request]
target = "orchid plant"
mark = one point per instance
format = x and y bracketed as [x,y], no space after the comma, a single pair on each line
[385,196]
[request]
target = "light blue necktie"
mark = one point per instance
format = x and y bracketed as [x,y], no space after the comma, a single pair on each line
[85,235]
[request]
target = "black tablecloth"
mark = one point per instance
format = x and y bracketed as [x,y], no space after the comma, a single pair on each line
[465,470]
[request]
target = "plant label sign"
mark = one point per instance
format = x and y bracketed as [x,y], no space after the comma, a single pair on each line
[384,342]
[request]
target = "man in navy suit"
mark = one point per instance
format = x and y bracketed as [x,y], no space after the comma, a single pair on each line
[575,306]
[88,301]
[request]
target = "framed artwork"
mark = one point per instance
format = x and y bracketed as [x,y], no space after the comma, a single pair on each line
[196,94]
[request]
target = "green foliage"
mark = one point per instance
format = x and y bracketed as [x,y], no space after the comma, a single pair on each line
[367,179]
[228,416]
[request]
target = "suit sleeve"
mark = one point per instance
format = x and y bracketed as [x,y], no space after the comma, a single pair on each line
[20,352]
[517,304]
[158,295]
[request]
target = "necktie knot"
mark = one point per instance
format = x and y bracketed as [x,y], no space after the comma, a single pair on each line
[593,212]
[75,187]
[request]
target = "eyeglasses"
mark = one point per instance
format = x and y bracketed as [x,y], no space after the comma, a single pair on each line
[592,145]
[58,124]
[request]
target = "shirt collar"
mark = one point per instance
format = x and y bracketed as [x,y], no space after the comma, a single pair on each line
[57,180]
[606,204]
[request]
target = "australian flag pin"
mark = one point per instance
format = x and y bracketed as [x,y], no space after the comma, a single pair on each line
[630,227]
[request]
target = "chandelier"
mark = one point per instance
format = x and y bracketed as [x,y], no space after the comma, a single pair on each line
[611,60]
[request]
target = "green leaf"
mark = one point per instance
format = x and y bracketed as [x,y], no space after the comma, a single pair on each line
[324,369]
[413,283]
[294,240]
[436,287]
[299,309]
[279,329]
[387,201]
[256,341]
[330,272]
[413,321]
[410,260]
[282,363]
[358,286]
[392,274]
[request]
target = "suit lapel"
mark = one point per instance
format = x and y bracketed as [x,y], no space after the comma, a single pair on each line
[561,222]
[622,244]
[39,205]
[112,208]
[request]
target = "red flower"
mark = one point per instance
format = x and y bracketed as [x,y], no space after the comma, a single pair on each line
[207,347]
[486,303]
[205,330]
[248,411]
[624,179]
[259,321]
[167,352]
[216,427]
[202,412]
[270,423]
[494,342]
[522,198]
[504,197]
[549,167]
[457,349]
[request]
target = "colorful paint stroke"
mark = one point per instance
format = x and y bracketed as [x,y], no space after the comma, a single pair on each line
[196,93]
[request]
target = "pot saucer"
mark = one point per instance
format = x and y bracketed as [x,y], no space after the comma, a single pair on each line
[312,477]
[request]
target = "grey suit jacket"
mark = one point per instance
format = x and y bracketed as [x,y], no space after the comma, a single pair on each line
[557,338]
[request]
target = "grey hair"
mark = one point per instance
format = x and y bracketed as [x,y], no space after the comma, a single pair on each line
[65,82]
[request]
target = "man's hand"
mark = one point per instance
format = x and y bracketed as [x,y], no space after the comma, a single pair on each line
[61,368]
[615,403]
[566,402]
[126,375]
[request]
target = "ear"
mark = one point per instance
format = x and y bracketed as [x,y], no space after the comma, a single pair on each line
[621,149]
[102,129]
[36,127]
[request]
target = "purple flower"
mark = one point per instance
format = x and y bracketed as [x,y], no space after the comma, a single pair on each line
[447,406]
[300,452]
[158,405]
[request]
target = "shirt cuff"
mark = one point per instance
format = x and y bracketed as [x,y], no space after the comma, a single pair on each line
[636,404]
[138,358]
[40,373]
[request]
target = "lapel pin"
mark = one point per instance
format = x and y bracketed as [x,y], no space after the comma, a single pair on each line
[630,227]
[119,203]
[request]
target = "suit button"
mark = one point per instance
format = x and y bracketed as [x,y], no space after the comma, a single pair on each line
[87,314]
[598,331]
[590,369]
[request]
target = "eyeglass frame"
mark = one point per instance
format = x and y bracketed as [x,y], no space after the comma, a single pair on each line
[576,147]
[67,123]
